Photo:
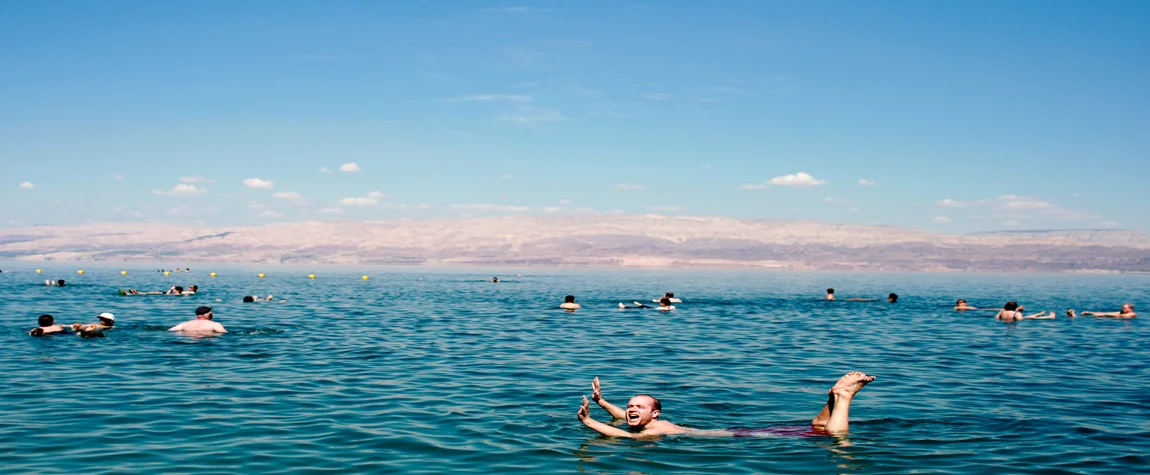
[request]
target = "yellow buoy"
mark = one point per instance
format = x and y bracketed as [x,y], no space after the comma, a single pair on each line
[81,272]
[311,276]
[123,272]
[213,274]
[167,273]
[261,276]
[39,271]
[365,277]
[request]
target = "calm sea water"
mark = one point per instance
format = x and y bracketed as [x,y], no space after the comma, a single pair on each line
[436,371]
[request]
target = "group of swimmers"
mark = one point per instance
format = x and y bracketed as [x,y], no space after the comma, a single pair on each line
[664,303]
[105,321]
[892,297]
[1012,311]
[174,290]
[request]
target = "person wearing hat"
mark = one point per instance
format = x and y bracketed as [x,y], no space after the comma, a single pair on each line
[202,324]
[106,321]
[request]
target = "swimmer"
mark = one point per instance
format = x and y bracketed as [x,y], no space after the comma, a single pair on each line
[175,290]
[892,297]
[1070,313]
[1012,311]
[1126,312]
[643,411]
[106,321]
[202,324]
[253,298]
[47,326]
[830,294]
[665,305]
[669,295]
[961,305]
[191,290]
[137,292]
[637,305]
[57,283]
[495,279]
[569,303]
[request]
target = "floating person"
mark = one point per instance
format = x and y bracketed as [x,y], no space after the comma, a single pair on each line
[637,305]
[1070,313]
[105,321]
[202,324]
[191,290]
[1012,311]
[961,305]
[643,411]
[495,279]
[1126,312]
[253,298]
[665,305]
[569,303]
[54,283]
[175,290]
[47,326]
[830,294]
[892,297]
[669,295]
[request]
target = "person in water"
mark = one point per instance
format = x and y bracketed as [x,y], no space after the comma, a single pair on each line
[569,303]
[665,304]
[830,294]
[1126,312]
[202,324]
[495,279]
[191,290]
[57,283]
[1070,313]
[1012,311]
[671,296]
[105,321]
[892,297]
[253,298]
[961,305]
[47,326]
[643,411]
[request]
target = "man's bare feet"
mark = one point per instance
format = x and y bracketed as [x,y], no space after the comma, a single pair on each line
[850,384]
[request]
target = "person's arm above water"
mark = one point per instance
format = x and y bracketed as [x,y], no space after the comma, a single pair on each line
[1040,316]
[597,396]
[584,415]
[1111,314]
[177,328]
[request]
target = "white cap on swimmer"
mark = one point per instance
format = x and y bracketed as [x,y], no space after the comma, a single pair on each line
[107,315]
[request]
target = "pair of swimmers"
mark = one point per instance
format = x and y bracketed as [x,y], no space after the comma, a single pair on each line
[664,303]
[47,326]
[54,283]
[174,290]
[891,297]
[643,411]
[1012,311]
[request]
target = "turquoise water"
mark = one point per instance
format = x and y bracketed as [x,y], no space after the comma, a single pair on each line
[436,371]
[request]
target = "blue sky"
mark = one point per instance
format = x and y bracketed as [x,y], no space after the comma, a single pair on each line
[948,116]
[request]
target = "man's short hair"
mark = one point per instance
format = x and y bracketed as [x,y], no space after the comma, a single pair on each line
[60,283]
[830,291]
[203,310]
[893,297]
[46,320]
[569,299]
[670,295]
[249,299]
[665,301]
[179,289]
[656,406]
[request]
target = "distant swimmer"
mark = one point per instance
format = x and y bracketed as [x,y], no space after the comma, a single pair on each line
[105,321]
[1126,312]
[175,290]
[665,305]
[637,305]
[495,279]
[892,297]
[253,298]
[1070,313]
[202,324]
[668,295]
[47,326]
[569,303]
[191,290]
[1013,312]
[54,283]
[830,294]
[643,411]
[961,305]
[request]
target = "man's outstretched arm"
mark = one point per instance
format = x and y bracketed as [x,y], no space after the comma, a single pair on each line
[597,396]
[607,430]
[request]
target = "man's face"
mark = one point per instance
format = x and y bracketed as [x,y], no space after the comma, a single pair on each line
[105,321]
[1127,308]
[640,411]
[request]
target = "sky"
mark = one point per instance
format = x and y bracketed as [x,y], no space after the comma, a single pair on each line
[950,116]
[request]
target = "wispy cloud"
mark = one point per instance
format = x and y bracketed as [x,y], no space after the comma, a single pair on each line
[630,187]
[564,202]
[505,177]
[324,170]
[528,115]
[661,96]
[522,56]
[118,177]
[833,200]
[518,9]
[490,97]
[488,207]
[27,185]
[125,212]
[668,208]
[182,190]
[270,214]
[258,183]
[195,179]
[865,182]
[332,210]
[292,196]
[1109,224]
[941,219]
[349,167]
[796,180]
[370,199]
[1018,207]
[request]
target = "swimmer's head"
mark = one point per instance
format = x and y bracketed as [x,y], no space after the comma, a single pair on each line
[204,312]
[666,302]
[830,291]
[179,289]
[1127,308]
[60,282]
[194,288]
[1010,306]
[249,299]
[495,279]
[643,409]
[670,295]
[892,297]
[106,319]
[960,303]
[46,320]
[569,299]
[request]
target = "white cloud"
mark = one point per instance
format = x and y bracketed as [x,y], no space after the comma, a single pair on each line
[515,10]
[668,208]
[800,179]
[1075,194]
[324,170]
[949,203]
[195,179]
[1109,224]
[527,115]
[182,190]
[118,177]
[292,196]
[630,187]
[270,214]
[180,211]
[258,183]
[1010,222]
[125,212]
[564,202]
[706,167]
[1019,207]
[490,97]
[349,167]
[332,210]
[941,219]
[865,182]
[658,96]
[831,199]
[27,185]
[370,199]
[256,205]
[491,207]
[753,186]
[505,177]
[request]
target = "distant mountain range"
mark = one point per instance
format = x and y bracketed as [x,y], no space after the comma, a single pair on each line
[615,240]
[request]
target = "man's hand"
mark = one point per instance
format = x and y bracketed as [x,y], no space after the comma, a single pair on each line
[584,410]
[596,393]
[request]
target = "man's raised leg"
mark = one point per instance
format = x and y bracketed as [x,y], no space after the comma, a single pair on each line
[839,401]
